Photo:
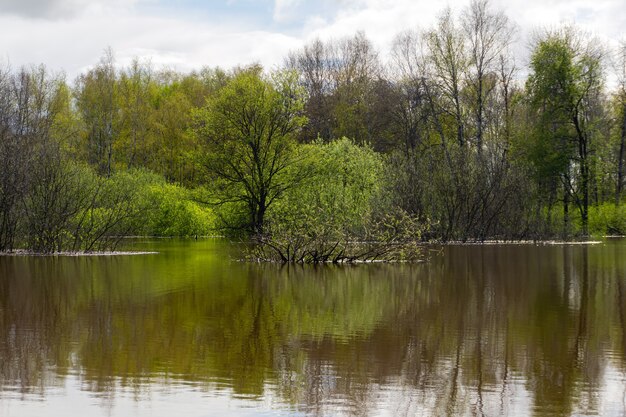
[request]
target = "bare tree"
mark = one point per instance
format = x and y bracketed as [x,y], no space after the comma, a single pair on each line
[314,63]
[345,88]
[448,57]
[411,110]
[13,175]
[507,70]
[27,112]
[488,34]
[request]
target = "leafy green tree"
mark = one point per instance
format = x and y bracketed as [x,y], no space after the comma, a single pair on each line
[355,72]
[96,100]
[341,213]
[174,145]
[248,131]
[565,88]
[136,90]
[341,192]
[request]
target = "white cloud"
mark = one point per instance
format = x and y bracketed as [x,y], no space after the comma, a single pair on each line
[36,31]
[74,45]
[47,9]
[381,20]
[284,10]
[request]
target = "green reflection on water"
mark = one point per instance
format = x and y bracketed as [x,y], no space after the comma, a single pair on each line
[481,330]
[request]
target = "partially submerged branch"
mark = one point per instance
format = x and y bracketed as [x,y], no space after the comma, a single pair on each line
[395,237]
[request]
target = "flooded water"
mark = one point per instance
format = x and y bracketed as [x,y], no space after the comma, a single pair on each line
[479,330]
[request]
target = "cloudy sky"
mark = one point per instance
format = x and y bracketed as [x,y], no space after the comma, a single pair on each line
[71,35]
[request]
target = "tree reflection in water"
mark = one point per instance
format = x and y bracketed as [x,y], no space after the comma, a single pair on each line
[490,330]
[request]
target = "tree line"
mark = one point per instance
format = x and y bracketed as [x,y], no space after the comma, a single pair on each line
[447,140]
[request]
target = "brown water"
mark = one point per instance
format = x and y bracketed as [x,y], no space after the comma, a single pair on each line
[480,330]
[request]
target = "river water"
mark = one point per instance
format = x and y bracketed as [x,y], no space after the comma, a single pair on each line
[190,331]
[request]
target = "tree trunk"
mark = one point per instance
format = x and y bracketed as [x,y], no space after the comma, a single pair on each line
[585,206]
[479,116]
[259,217]
[583,153]
[565,212]
[620,166]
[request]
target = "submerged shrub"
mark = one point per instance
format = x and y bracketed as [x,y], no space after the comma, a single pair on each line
[339,213]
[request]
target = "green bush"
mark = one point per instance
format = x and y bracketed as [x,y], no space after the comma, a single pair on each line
[604,219]
[338,213]
[142,203]
[225,218]
[175,214]
[339,194]
[607,219]
[163,209]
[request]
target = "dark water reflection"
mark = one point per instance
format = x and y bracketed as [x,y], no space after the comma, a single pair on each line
[491,330]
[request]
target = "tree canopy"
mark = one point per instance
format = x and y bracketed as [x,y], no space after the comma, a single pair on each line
[249,130]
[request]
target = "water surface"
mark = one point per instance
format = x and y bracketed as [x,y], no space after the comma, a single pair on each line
[479,330]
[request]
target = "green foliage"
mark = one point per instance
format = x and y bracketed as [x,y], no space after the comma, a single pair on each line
[453,140]
[248,132]
[175,214]
[71,208]
[135,140]
[115,208]
[162,209]
[552,90]
[565,92]
[340,192]
[337,214]
[607,219]
[97,102]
